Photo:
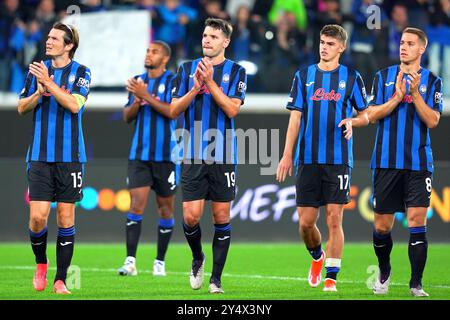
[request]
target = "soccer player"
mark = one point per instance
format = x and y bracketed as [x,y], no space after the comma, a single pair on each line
[150,164]
[209,92]
[407,102]
[56,91]
[321,102]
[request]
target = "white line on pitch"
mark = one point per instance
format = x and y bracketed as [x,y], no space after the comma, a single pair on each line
[230,275]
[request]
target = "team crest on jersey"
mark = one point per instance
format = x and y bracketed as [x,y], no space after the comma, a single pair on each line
[342,85]
[423,88]
[161,88]
[226,78]
[72,78]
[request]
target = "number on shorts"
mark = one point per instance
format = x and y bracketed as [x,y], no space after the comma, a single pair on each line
[428,183]
[342,185]
[231,178]
[77,179]
[171,178]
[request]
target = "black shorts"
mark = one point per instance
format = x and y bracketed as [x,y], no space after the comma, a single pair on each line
[55,181]
[321,184]
[215,182]
[162,177]
[395,190]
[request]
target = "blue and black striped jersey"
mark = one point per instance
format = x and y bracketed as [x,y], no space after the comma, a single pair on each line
[402,139]
[325,98]
[57,132]
[232,80]
[152,138]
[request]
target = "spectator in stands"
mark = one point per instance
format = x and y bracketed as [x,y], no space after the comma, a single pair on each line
[296,7]
[439,41]
[363,40]
[286,52]
[417,10]
[233,6]
[245,40]
[12,42]
[92,6]
[152,7]
[212,9]
[175,17]
[399,21]
[40,26]
[260,12]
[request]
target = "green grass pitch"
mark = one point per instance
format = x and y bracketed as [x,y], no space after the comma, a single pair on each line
[253,271]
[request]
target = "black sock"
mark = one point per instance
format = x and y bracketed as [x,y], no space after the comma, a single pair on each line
[194,236]
[39,245]
[134,222]
[220,246]
[382,243]
[64,251]
[165,229]
[417,251]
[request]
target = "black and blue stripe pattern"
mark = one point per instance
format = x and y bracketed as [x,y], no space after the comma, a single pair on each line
[325,99]
[402,139]
[152,136]
[232,80]
[57,132]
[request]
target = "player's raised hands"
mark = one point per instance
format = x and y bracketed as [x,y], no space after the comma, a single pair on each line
[137,87]
[40,71]
[348,132]
[198,80]
[41,89]
[137,100]
[284,167]
[400,86]
[414,81]
[205,69]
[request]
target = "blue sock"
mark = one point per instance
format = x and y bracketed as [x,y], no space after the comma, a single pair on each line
[316,252]
[332,272]
[332,266]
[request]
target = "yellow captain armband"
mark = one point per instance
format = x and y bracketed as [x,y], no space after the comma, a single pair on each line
[80,100]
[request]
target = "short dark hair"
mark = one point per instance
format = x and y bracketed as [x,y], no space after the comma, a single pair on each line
[71,36]
[220,24]
[335,31]
[418,32]
[165,46]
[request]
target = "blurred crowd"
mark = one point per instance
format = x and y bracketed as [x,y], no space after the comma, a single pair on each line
[273,37]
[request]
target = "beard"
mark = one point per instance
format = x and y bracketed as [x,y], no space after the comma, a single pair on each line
[150,66]
[211,54]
